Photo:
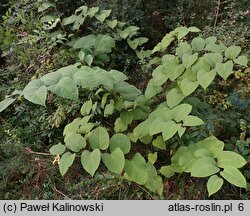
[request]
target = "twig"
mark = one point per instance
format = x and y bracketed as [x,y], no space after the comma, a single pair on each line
[217,13]
[54,188]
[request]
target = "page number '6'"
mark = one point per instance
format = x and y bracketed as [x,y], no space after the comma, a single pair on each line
[241,207]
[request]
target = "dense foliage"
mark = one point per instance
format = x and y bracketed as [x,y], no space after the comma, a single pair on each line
[147,110]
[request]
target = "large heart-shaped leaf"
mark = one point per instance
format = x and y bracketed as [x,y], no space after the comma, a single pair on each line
[169,129]
[232,52]
[174,97]
[65,162]
[114,161]
[224,69]
[99,138]
[205,78]
[241,60]
[189,60]
[35,92]
[65,88]
[198,44]
[120,141]
[181,111]
[91,160]
[136,169]
[188,86]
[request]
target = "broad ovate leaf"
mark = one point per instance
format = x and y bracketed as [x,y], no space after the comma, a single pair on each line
[232,52]
[204,167]
[169,129]
[99,138]
[136,169]
[115,161]
[65,162]
[75,142]
[234,176]
[205,78]
[214,184]
[120,141]
[91,160]
[192,121]
[230,158]
[57,149]
[65,88]
[35,92]
[224,69]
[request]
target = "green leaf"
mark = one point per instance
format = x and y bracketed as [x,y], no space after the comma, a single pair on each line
[65,88]
[86,107]
[127,91]
[183,48]
[204,167]
[232,52]
[169,129]
[212,144]
[192,121]
[120,141]
[212,47]
[241,60]
[181,111]
[234,176]
[214,184]
[5,103]
[119,126]
[182,32]
[189,60]
[205,78]
[167,171]
[193,29]
[188,86]
[44,6]
[174,97]
[181,131]
[159,143]
[86,128]
[65,162]
[136,169]
[127,117]
[198,44]
[230,158]
[99,138]
[91,160]
[213,58]
[202,152]
[224,69]
[109,110]
[57,149]
[104,44]
[210,40]
[152,157]
[115,161]
[112,24]
[69,20]
[75,142]
[89,59]
[35,92]
[92,11]
[155,126]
